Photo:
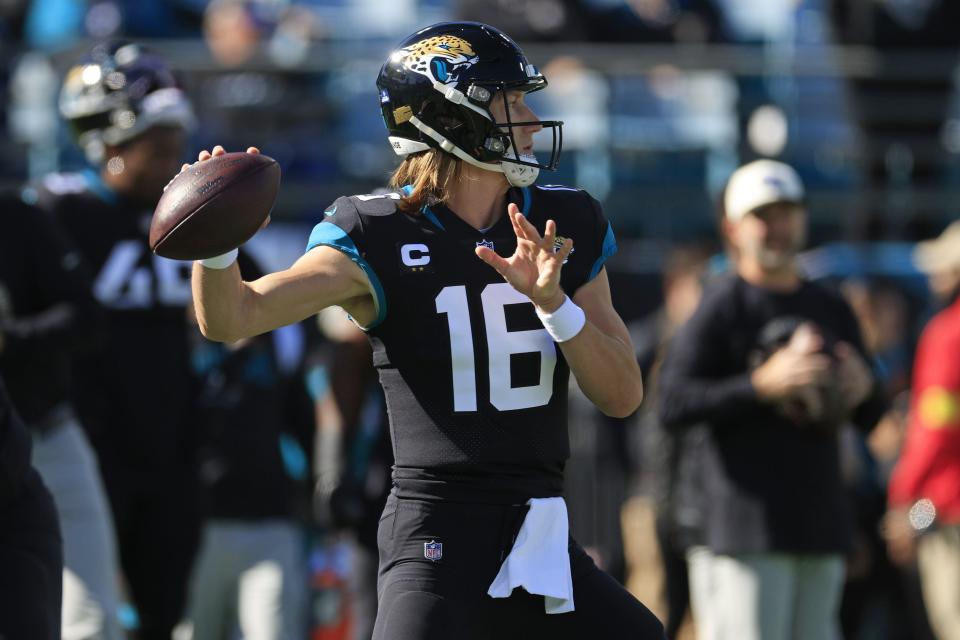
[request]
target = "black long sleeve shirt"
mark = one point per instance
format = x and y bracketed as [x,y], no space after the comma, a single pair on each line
[767,483]
[47,308]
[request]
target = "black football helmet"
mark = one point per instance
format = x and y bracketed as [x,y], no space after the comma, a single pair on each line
[436,88]
[119,92]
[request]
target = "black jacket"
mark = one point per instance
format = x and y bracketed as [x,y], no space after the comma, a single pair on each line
[767,482]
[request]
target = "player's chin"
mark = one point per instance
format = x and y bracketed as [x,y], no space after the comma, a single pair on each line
[776,258]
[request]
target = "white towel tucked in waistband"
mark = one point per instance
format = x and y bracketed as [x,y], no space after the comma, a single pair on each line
[539,561]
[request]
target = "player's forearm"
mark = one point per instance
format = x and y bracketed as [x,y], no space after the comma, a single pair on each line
[606,370]
[218,296]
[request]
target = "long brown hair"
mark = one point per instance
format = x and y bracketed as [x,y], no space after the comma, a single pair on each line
[431,173]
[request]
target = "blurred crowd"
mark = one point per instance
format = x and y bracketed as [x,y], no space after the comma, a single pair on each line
[205,490]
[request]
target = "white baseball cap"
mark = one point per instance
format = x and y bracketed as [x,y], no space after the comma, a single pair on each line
[758,184]
[941,253]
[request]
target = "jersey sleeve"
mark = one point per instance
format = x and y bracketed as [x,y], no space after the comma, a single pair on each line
[342,229]
[593,241]
[604,239]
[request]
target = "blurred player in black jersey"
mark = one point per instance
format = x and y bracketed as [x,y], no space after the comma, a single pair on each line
[477,311]
[248,579]
[134,394]
[31,554]
[47,315]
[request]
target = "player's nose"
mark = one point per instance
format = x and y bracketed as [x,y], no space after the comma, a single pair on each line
[531,116]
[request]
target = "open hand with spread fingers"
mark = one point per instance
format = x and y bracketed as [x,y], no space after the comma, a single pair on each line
[534,268]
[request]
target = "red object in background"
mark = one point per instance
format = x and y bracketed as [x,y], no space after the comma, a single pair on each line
[331,615]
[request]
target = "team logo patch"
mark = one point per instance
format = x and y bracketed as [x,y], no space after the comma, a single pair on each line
[558,244]
[441,58]
[486,243]
[433,550]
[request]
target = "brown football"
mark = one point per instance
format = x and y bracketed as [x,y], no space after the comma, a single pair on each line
[214,206]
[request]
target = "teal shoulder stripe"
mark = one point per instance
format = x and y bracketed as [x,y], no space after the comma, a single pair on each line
[609,248]
[329,234]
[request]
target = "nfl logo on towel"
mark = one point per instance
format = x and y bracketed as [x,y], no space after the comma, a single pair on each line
[433,550]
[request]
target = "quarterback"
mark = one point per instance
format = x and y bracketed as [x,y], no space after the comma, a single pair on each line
[477,311]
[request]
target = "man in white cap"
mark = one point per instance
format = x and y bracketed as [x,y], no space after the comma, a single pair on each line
[924,492]
[773,365]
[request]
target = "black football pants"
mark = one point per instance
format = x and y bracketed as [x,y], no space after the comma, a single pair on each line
[446,599]
[31,565]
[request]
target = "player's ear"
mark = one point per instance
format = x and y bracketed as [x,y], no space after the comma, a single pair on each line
[727,228]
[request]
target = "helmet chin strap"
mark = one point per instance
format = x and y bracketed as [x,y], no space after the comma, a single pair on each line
[518,175]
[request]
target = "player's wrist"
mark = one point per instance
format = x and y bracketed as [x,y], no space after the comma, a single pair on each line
[222,261]
[552,303]
[565,322]
[763,387]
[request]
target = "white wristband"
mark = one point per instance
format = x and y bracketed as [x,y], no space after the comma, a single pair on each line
[222,261]
[564,323]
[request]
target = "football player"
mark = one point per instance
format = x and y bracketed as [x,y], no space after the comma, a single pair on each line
[477,310]
[31,549]
[134,395]
[48,315]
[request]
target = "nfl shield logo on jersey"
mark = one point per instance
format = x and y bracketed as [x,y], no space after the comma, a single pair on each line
[486,243]
[433,550]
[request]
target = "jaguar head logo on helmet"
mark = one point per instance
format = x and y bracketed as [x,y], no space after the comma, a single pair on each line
[437,89]
[440,58]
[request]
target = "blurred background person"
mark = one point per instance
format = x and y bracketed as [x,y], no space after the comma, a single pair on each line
[880,600]
[924,494]
[135,393]
[774,365]
[47,315]
[353,459]
[249,576]
[30,545]
[656,533]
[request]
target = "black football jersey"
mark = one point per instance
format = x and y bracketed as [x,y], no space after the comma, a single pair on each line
[135,394]
[47,312]
[476,388]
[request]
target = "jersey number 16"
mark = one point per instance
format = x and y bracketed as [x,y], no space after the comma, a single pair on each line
[501,344]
